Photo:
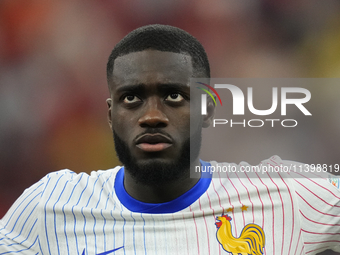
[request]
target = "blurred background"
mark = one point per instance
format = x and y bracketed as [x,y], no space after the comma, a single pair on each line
[53,87]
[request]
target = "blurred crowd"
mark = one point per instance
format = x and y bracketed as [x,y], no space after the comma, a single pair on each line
[53,58]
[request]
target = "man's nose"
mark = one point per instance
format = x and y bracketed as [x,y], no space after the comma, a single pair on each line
[153,115]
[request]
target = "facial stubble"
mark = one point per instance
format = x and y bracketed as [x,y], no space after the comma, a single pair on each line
[157,172]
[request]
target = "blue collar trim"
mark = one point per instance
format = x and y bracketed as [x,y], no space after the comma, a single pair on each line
[175,205]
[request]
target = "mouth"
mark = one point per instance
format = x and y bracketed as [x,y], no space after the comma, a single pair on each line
[153,142]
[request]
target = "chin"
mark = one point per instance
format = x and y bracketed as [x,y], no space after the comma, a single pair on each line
[155,172]
[156,161]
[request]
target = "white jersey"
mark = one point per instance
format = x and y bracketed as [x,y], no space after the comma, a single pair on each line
[80,214]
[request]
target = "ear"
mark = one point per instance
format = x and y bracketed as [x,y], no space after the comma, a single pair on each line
[109,116]
[208,118]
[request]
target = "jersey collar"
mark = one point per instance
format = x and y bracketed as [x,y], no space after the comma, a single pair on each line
[172,206]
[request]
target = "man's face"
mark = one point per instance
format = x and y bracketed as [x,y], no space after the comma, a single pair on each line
[149,113]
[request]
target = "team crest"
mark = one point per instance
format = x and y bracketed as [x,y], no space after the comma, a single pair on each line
[251,240]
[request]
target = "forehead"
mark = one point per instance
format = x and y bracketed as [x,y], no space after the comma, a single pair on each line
[152,67]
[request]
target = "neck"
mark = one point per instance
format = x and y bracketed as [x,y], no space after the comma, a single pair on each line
[161,193]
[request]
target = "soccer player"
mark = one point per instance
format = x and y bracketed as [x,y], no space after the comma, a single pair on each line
[151,205]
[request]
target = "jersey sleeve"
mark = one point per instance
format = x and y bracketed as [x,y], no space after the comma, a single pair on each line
[19,227]
[319,212]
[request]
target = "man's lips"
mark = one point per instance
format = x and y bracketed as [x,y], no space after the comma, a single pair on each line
[153,142]
[153,147]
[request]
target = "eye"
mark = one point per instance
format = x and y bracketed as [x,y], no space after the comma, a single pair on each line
[129,99]
[174,97]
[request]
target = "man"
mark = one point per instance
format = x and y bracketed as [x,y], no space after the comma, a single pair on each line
[151,205]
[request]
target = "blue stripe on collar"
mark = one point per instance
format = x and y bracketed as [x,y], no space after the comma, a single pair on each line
[172,206]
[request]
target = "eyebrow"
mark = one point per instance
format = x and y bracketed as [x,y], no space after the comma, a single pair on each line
[173,86]
[130,87]
[163,86]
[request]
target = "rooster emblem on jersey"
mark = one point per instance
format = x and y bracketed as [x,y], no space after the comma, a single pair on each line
[251,240]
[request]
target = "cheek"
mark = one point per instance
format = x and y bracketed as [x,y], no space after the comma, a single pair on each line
[122,122]
[182,121]
[195,110]
[195,120]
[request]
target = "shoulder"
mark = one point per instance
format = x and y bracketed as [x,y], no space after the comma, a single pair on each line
[296,175]
[55,194]
[68,176]
[310,178]
[67,185]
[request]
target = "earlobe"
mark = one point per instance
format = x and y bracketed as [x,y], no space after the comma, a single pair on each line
[109,116]
[207,119]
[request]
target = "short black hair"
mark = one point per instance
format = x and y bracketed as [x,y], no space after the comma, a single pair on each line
[162,38]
